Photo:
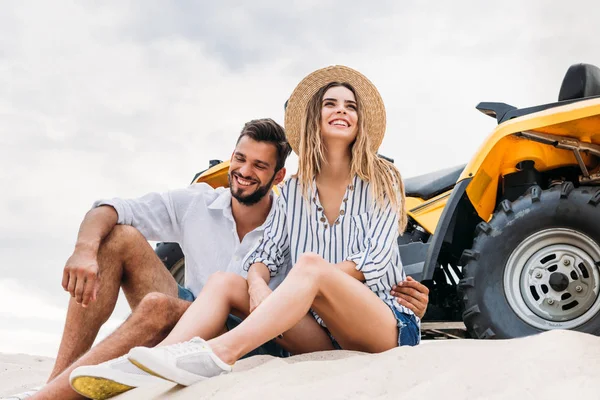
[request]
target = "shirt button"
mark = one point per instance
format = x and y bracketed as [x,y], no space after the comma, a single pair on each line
[351,187]
[337,222]
[323,219]
[325,226]
[319,208]
[342,212]
[345,200]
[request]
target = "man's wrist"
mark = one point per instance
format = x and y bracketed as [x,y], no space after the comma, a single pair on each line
[88,247]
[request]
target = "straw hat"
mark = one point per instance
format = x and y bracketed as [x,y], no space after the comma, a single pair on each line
[373,110]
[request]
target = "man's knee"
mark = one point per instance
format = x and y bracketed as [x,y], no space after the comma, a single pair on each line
[159,311]
[122,238]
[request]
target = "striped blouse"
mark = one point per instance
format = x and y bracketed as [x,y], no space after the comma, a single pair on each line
[362,233]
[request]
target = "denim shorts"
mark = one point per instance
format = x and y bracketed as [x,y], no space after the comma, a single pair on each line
[409,330]
[185,294]
[270,348]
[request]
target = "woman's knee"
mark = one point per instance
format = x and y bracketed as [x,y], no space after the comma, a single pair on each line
[309,264]
[225,280]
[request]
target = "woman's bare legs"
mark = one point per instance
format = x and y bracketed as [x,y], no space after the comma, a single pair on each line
[224,293]
[356,317]
[227,293]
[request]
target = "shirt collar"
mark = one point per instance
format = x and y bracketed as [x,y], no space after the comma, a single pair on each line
[223,202]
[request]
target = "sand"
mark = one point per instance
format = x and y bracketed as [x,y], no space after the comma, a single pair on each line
[19,372]
[553,365]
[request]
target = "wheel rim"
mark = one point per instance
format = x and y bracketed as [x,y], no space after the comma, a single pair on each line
[178,272]
[551,280]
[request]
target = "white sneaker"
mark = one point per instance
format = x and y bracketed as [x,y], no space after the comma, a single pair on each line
[184,363]
[24,395]
[110,378]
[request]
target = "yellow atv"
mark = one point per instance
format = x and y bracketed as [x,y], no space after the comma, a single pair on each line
[515,235]
[508,243]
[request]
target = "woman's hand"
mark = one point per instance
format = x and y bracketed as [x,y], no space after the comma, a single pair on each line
[412,295]
[258,293]
[258,284]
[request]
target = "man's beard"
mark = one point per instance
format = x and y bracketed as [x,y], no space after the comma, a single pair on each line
[253,197]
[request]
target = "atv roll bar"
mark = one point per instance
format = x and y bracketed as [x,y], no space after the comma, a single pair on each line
[561,142]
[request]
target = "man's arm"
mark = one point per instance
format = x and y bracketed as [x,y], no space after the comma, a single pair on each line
[413,295]
[81,270]
[258,284]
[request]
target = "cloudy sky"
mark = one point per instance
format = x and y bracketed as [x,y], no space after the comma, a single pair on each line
[119,98]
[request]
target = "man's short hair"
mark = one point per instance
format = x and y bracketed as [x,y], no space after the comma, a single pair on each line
[267,130]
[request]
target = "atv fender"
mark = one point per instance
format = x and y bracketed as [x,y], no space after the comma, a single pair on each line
[445,230]
[505,148]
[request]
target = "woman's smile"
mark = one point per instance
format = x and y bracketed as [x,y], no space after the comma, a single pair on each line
[340,122]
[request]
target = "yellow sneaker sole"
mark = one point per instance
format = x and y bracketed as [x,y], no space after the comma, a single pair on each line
[143,368]
[98,388]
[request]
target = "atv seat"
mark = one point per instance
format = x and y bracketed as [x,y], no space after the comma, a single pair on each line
[430,185]
[582,81]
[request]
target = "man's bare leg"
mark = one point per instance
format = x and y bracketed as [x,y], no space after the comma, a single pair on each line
[150,322]
[125,260]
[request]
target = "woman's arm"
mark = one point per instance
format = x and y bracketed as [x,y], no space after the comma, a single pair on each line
[349,267]
[272,252]
[379,252]
[258,284]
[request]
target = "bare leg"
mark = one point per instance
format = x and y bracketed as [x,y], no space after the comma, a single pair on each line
[223,293]
[226,293]
[151,321]
[125,259]
[357,318]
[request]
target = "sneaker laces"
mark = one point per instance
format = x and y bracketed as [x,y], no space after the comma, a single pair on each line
[192,346]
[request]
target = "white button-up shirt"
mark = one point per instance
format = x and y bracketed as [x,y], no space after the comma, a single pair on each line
[199,218]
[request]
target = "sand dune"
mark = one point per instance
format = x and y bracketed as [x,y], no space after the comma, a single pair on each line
[553,365]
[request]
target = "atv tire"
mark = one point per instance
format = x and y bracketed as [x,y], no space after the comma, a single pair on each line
[172,257]
[534,266]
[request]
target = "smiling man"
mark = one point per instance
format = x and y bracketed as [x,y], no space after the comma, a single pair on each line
[216,229]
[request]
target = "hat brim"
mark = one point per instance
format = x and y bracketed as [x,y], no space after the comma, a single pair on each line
[373,109]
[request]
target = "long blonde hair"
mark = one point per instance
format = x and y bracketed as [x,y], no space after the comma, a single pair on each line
[383,176]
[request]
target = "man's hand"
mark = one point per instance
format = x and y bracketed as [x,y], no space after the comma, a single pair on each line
[412,295]
[80,277]
[258,293]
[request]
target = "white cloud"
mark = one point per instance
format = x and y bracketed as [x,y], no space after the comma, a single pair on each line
[17,300]
[122,98]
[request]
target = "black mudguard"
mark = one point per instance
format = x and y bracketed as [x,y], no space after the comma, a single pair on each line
[446,229]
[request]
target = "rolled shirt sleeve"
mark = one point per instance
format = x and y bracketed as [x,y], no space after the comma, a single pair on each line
[379,248]
[158,216]
[273,248]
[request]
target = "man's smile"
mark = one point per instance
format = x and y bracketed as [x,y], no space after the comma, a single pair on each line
[243,182]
